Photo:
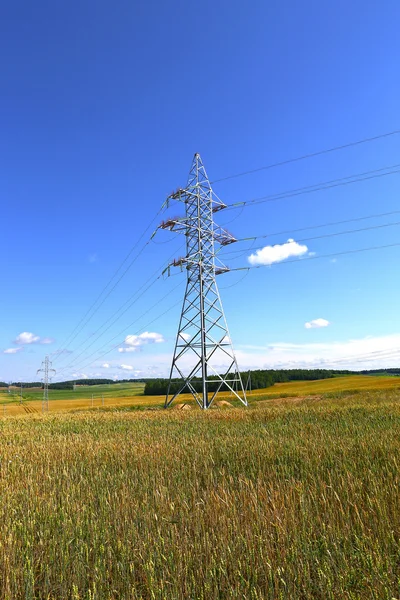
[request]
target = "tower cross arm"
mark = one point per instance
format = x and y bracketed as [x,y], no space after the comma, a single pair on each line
[178,224]
[184,225]
[223,237]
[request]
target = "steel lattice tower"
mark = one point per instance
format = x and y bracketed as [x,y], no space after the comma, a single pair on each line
[46,368]
[203,342]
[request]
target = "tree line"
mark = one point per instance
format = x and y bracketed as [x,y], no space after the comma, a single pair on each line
[26,384]
[257,379]
[381,372]
[69,385]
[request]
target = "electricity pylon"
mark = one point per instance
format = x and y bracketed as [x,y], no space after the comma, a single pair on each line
[46,368]
[203,345]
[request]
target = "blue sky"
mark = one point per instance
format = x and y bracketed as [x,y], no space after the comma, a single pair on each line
[103,106]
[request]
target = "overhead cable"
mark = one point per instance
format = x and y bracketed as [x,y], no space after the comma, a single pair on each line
[86,318]
[285,262]
[310,155]
[116,316]
[318,237]
[125,329]
[327,185]
[329,224]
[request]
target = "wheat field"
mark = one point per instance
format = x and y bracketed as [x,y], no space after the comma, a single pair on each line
[289,500]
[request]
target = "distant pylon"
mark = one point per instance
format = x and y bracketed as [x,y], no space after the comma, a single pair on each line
[46,368]
[203,342]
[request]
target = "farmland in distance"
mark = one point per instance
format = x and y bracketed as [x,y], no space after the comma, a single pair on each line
[130,395]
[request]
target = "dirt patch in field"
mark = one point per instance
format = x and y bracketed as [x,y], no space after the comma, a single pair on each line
[223,403]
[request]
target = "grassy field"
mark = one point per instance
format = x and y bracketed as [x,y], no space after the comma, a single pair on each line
[114,390]
[126,395]
[117,394]
[291,499]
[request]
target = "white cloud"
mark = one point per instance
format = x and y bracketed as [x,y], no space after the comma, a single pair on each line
[185,336]
[364,353]
[26,337]
[126,367]
[80,375]
[144,338]
[275,254]
[12,350]
[105,366]
[316,324]
[133,342]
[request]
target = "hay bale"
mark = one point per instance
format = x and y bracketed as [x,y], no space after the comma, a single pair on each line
[182,406]
[223,403]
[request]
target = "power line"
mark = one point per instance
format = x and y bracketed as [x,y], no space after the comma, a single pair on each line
[310,155]
[372,174]
[124,308]
[124,311]
[127,327]
[367,357]
[325,363]
[139,330]
[373,355]
[113,322]
[317,237]
[329,224]
[317,257]
[327,235]
[226,287]
[82,322]
[327,185]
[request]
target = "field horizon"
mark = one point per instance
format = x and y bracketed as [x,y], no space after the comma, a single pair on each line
[130,395]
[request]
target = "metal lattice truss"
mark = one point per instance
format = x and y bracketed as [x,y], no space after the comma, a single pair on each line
[203,346]
[46,369]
